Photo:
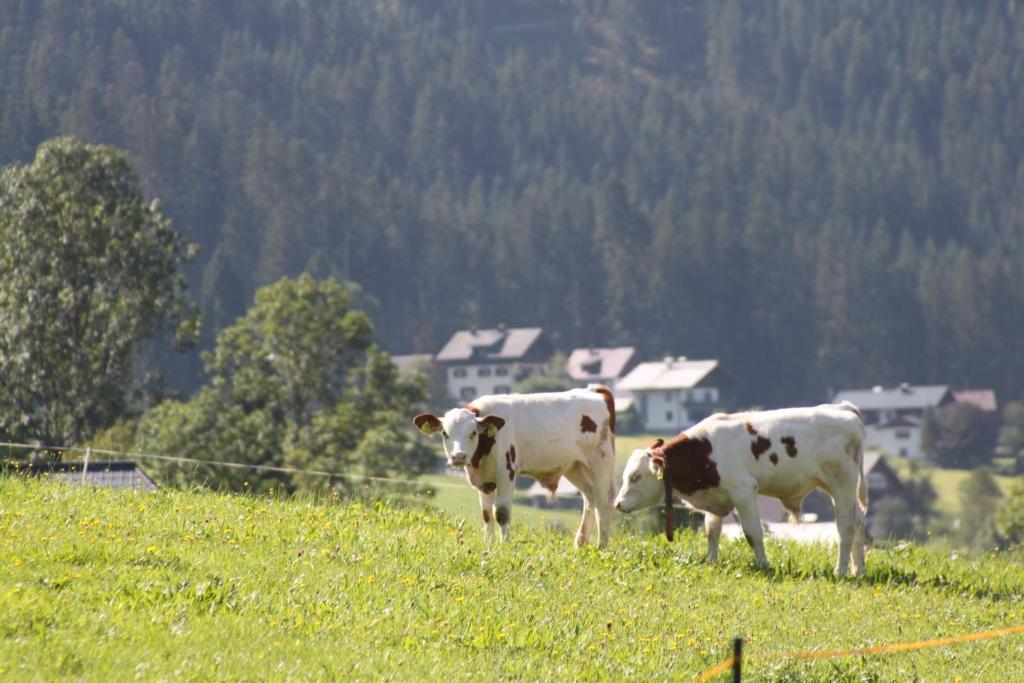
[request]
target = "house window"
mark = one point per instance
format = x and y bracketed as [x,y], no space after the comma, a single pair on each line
[503,389]
[903,452]
[902,434]
[668,416]
[459,372]
[501,372]
[467,392]
[483,372]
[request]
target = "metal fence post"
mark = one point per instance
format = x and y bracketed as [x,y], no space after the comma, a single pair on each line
[737,659]
[85,465]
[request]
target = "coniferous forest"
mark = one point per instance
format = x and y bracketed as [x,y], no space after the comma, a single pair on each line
[819,194]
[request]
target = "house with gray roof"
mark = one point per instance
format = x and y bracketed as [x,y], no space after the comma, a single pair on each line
[677,392]
[116,474]
[477,362]
[894,416]
[600,365]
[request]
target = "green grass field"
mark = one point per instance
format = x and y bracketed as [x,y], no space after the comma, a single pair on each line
[189,585]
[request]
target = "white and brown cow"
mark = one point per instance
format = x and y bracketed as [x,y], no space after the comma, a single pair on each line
[725,461]
[546,436]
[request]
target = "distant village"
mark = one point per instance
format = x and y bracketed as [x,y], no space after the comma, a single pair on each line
[666,395]
[663,396]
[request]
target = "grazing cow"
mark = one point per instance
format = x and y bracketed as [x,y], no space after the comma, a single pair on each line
[725,461]
[546,436]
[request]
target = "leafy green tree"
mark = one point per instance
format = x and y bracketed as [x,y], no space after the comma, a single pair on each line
[908,515]
[979,501]
[554,378]
[297,383]
[1011,434]
[1010,518]
[90,271]
[961,435]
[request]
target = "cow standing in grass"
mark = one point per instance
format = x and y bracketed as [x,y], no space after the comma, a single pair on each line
[546,436]
[725,461]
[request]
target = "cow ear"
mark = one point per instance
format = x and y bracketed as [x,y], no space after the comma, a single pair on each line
[491,424]
[428,424]
[658,443]
[657,464]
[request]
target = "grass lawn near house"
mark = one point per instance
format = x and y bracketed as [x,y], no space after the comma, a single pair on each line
[945,481]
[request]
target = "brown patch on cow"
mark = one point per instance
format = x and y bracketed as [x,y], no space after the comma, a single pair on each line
[487,516]
[759,446]
[510,459]
[488,487]
[689,464]
[473,409]
[502,514]
[587,425]
[790,442]
[774,458]
[750,429]
[609,401]
[484,444]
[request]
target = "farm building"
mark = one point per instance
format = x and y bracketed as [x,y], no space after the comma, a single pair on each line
[677,392]
[600,365]
[894,416]
[117,474]
[491,361]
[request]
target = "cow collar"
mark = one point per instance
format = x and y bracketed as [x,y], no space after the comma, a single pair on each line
[659,454]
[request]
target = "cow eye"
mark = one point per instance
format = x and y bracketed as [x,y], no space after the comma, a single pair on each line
[472,434]
[634,479]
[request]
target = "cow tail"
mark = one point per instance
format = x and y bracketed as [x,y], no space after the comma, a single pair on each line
[862,485]
[609,401]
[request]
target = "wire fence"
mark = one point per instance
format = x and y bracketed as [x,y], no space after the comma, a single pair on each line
[734,663]
[89,452]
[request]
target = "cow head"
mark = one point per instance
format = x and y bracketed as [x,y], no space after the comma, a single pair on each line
[463,434]
[642,484]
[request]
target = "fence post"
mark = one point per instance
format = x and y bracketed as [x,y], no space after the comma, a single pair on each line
[85,465]
[737,659]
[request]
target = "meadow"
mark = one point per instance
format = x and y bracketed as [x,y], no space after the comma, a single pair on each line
[98,584]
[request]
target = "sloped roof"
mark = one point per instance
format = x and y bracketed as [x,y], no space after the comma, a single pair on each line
[671,373]
[983,398]
[117,474]
[905,396]
[592,364]
[489,345]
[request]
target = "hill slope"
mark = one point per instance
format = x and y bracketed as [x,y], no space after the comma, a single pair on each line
[101,585]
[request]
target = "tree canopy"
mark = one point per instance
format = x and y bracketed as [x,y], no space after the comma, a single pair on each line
[819,194]
[90,271]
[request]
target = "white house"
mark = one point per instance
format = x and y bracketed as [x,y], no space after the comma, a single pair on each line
[479,362]
[894,416]
[676,392]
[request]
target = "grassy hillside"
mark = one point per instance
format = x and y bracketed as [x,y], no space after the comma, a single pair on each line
[101,585]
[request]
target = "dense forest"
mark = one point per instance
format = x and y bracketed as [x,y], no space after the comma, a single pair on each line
[819,194]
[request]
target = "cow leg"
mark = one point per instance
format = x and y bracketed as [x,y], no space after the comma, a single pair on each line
[503,507]
[750,520]
[846,525]
[580,478]
[713,529]
[487,510]
[604,491]
[859,541]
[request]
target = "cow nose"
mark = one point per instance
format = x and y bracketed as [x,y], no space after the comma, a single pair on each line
[457,459]
[618,506]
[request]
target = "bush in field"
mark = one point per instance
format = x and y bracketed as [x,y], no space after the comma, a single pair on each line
[979,501]
[295,383]
[1010,518]
[909,515]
